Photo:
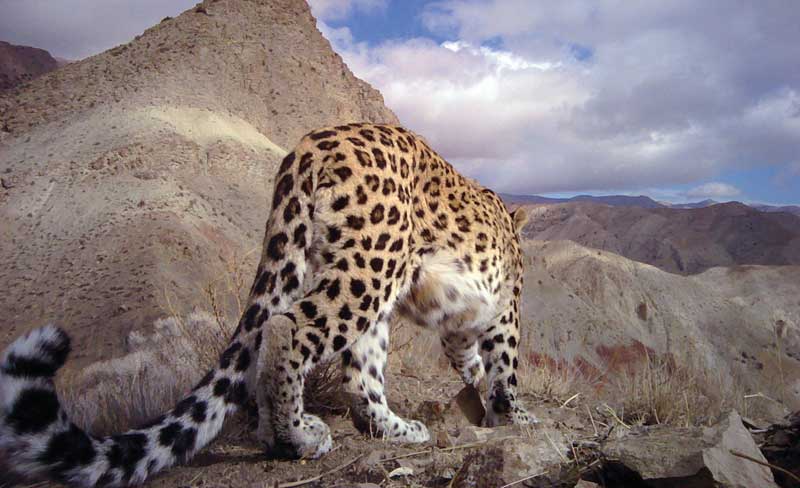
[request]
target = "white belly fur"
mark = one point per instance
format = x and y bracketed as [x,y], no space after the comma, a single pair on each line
[448,297]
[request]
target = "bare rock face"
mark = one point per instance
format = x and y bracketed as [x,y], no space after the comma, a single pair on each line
[664,456]
[136,180]
[20,64]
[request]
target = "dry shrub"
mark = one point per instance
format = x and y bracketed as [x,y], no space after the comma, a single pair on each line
[127,391]
[161,367]
[412,352]
[225,298]
[650,389]
[323,389]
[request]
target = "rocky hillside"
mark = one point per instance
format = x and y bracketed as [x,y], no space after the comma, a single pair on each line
[596,310]
[683,241]
[20,64]
[133,179]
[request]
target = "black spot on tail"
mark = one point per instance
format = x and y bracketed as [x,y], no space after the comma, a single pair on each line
[221,387]
[237,393]
[29,367]
[49,354]
[67,450]
[33,411]
[184,444]
[227,356]
[126,452]
[199,412]
[243,362]
[184,405]
[205,381]
[168,434]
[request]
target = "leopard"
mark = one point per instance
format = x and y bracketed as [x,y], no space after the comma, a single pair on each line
[368,226]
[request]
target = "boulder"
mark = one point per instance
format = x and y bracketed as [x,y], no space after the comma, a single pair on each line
[781,446]
[696,457]
[513,454]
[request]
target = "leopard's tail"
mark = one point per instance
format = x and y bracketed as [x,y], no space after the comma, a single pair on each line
[40,441]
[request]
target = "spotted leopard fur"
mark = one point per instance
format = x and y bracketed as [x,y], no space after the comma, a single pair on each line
[367,224]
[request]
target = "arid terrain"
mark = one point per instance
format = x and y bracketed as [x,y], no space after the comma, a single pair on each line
[134,188]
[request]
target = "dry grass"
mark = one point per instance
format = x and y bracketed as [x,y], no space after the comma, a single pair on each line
[160,369]
[650,390]
[323,392]
[662,390]
[655,391]
[553,382]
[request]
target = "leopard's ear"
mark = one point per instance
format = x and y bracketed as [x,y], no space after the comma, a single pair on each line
[520,218]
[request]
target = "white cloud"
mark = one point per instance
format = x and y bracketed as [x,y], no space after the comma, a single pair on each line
[328,10]
[714,190]
[503,60]
[585,95]
[74,29]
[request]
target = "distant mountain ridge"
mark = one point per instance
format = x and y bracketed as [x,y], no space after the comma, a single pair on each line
[793,209]
[20,64]
[613,200]
[641,201]
[701,204]
[682,241]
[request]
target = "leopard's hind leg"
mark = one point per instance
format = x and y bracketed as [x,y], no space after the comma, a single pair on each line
[461,349]
[499,345]
[363,367]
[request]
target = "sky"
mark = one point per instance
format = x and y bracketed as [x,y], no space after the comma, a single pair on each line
[680,100]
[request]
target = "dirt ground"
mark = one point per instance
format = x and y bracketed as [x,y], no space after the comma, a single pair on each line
[235,459]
